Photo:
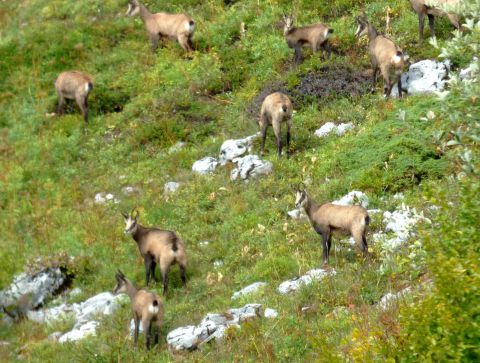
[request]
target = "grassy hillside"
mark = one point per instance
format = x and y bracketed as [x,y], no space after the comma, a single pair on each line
[144,103]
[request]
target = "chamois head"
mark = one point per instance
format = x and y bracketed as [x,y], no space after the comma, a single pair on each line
[300,196]
[133,8]
[287,21]
[362,29]
[131,221]
[120,287]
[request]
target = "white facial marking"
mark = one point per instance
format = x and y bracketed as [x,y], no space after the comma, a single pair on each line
[129,224]
[358,31]
[327,34]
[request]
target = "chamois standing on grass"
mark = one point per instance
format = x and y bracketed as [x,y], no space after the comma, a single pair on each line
[329,217]
[157,246]
[146,306]
[74,85]
[164,25]
[384,55]
[315,36]
[276,108]
[433,9]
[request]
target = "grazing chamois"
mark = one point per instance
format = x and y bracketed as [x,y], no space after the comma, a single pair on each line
[157,246]
[315,36]
[74,85]
[433,9]
[147,308]
[164,25]
[384,55]
[329,217]
[276,108]
[21,307]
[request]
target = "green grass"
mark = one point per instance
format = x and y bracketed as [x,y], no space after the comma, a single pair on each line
[142,104]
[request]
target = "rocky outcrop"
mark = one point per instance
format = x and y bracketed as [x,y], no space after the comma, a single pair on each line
[311,276]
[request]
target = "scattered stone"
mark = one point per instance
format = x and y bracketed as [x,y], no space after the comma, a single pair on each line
[171,187]
[389,299]
[297,214]
[468,72]
[232,149]
[40,286]
[330,127]
[213,326]
[312,275]
[205,166]
[249,289]
[75,292]
[129,190]
[339,312]
[218,263]
[270,313]
[102,198]
[401,223]
[176,147]
[250,166]
[424,76]
[84,314]
[204,243]
[352,198]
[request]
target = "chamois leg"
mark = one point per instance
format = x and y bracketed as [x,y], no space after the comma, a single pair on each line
[278,137]
[164,268]
[136,320]
[147,330]
[82,105]
[190,43]
[61,104]
[289,127]
[298,54]
[374,78]
[184,42]
[421,24]
[399,85]
[431,24]
[326,250]
[147,260]
[183,274]
[157,333]
[154,38]
[359,237]
[264,134]
[152,270]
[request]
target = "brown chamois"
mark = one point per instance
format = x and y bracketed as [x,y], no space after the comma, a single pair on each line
[329,217]
[432,9]
[164,25]
[147,308]
[315,36]
[276,108]
[384,55]
[157,246]
[76,86]
[19,310]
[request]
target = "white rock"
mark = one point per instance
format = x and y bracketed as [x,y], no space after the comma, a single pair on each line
[247,312]
[176,147]
[330,127]
[218,263]
[79,332]
[75,292]
[204,166]
[40,286]
[232,149]
[204,243]
[401,222]
[127,190]
[389,299]
[312,275]
[424,76]
[353,198]
[270,313]
[249,289]
[297,214]
[250,166]
[171,187]
[102,198]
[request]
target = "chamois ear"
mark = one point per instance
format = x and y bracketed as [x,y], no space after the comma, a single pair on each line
[125,215]
[135,213]
[120,275]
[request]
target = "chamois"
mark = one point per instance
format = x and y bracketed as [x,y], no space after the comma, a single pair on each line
[157,246]
[425,7]
[147,308]
[276,108]
[329,217]
[21,307]
[164,25]
[315,36]
[74,85]
[384,55]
